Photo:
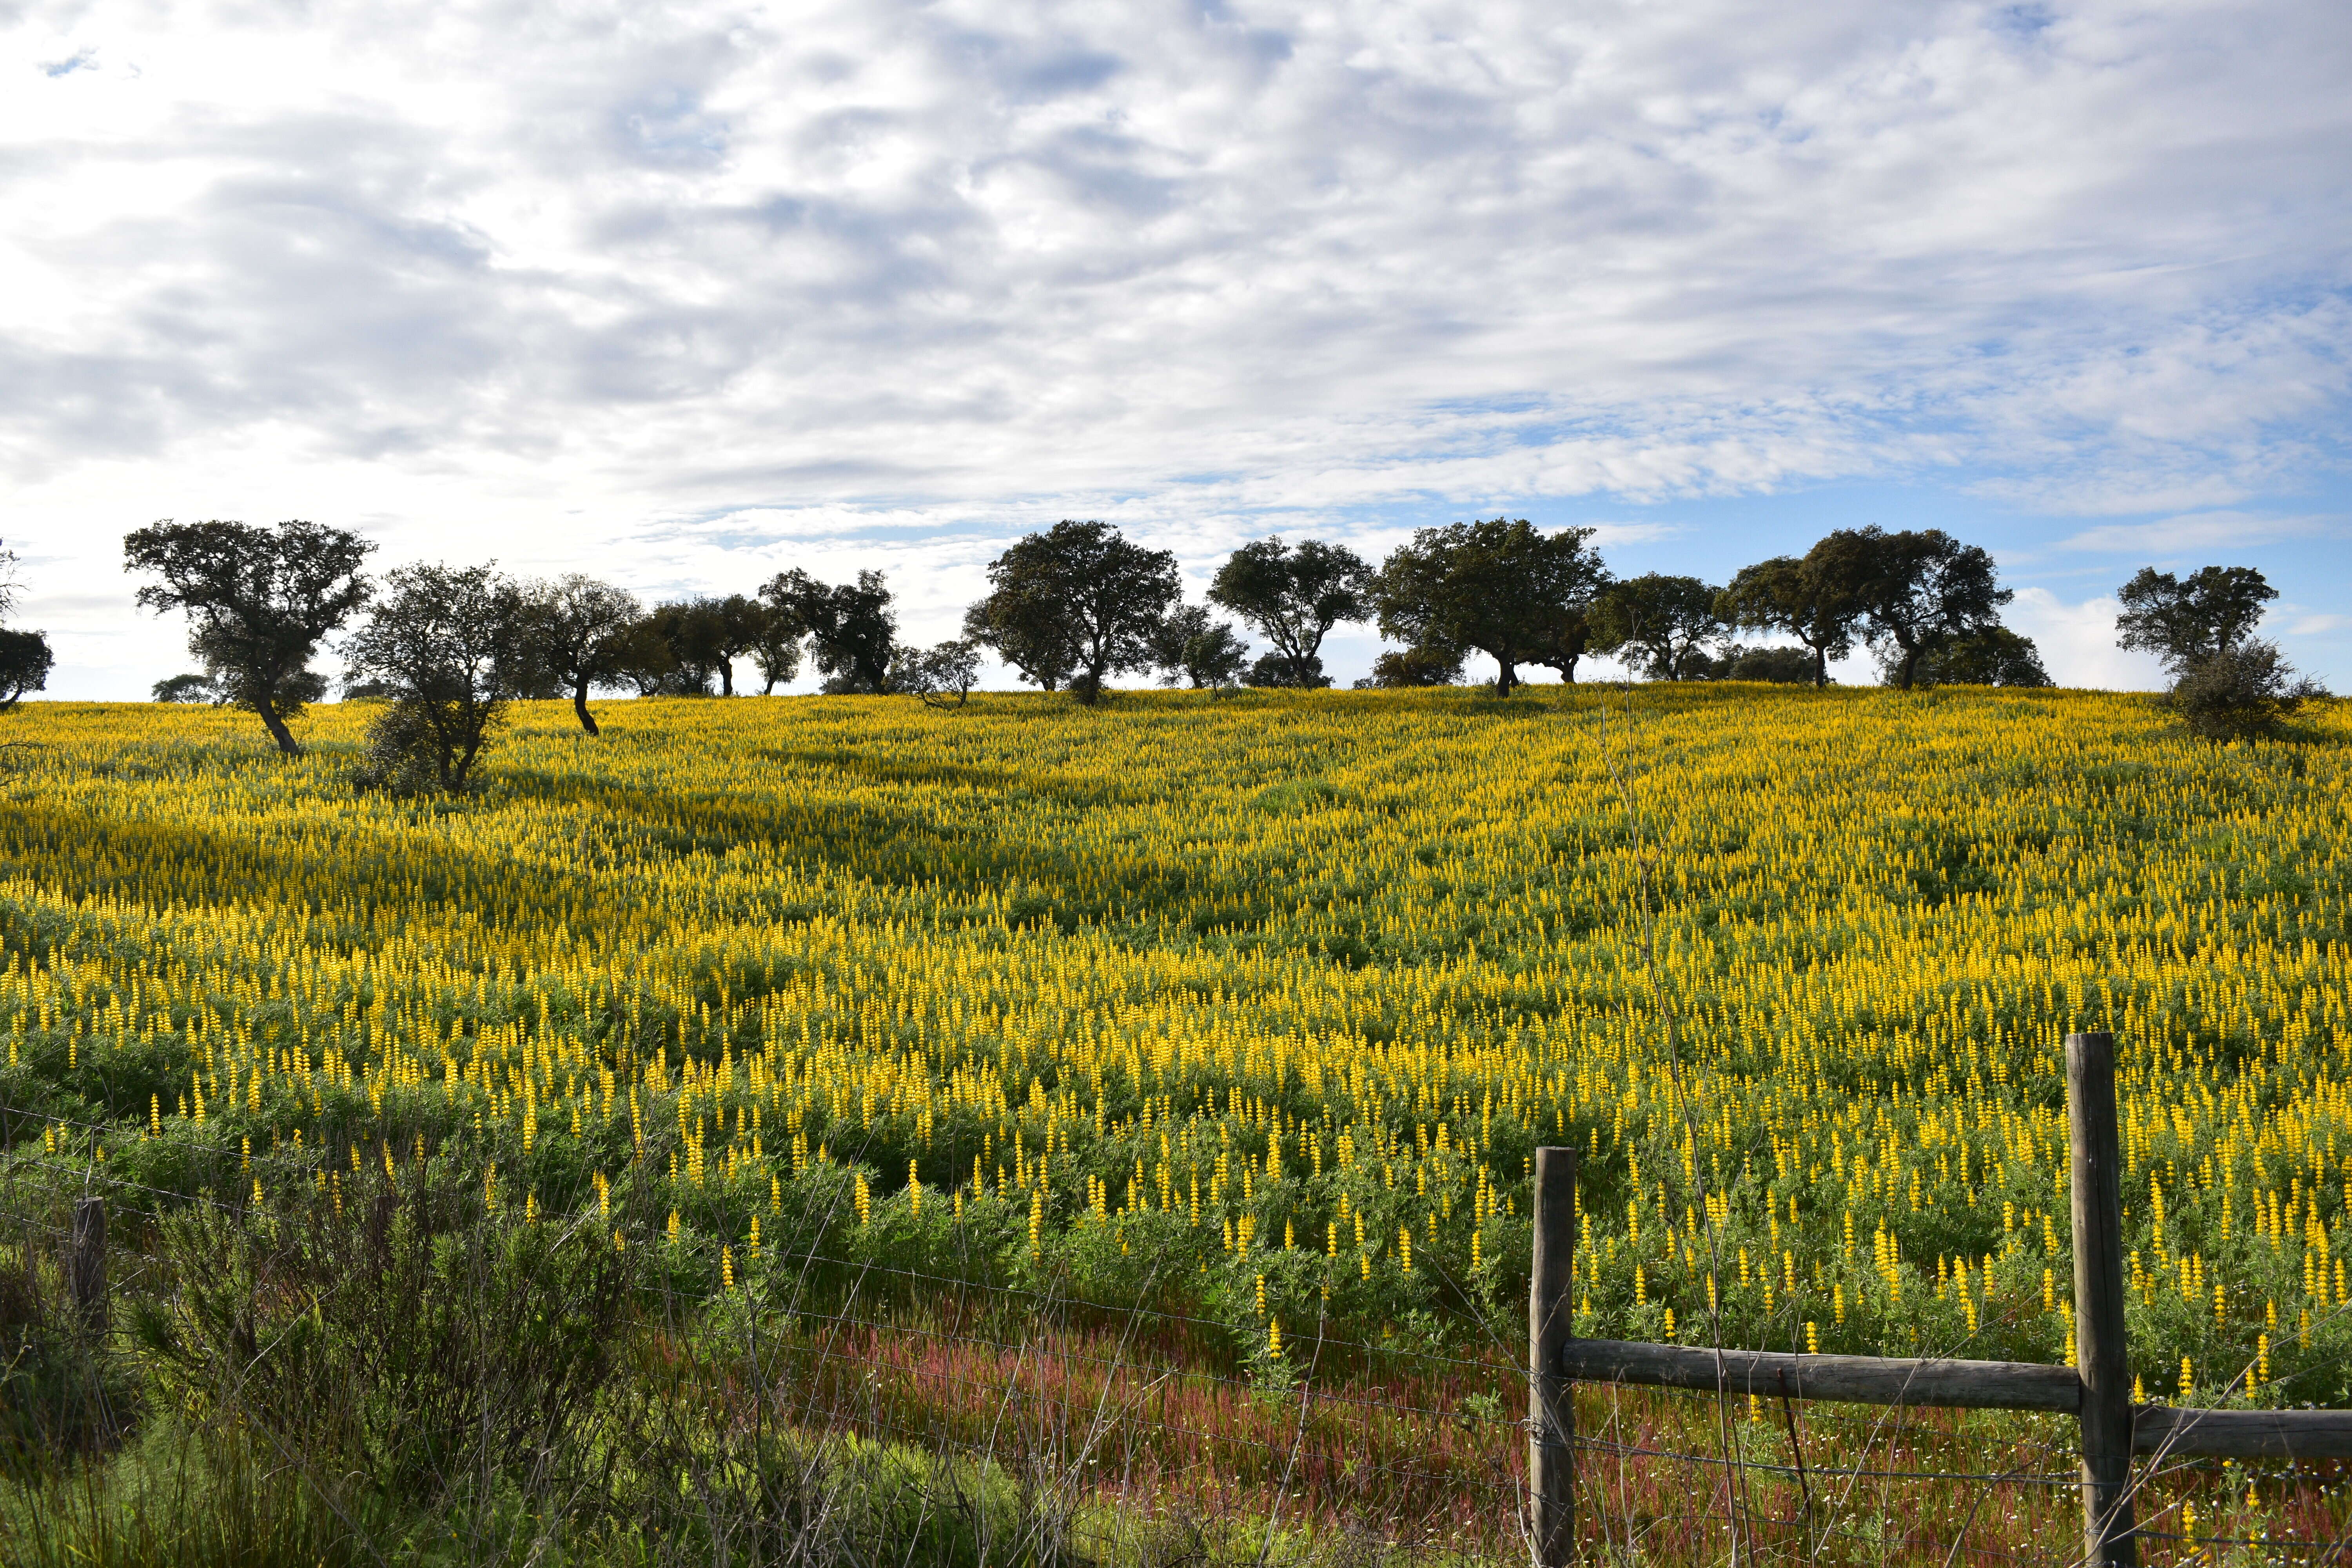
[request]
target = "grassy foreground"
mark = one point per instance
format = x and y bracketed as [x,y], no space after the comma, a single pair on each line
[1134,1104]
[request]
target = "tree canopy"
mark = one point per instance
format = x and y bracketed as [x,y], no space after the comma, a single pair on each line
[2185,622]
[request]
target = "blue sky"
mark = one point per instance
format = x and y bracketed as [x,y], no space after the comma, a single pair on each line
[686,296]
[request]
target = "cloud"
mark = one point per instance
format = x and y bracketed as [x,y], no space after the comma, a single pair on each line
[727,274]
[2077,642]
[2204,531]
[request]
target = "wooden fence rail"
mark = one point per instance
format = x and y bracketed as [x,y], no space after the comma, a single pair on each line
[2096,1391]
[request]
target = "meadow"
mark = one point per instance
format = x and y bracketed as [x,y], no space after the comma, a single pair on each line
[1227,1025]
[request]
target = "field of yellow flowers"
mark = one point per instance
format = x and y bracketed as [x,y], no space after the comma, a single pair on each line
[1251,1010]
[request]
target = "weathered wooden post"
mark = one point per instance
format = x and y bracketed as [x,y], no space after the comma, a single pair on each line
[2101,1357]
[86,1262]
[1551,1319]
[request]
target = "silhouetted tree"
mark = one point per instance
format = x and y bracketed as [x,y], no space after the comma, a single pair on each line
[444,641]
[1083,588]
[24,664]
[851,628]
[575,630]
[260,602]
[643,656]
[183,689]
[25,657]
[1293,595]
[1989,656]
[735,627]
[2185,621]
[777,651]
[1916,590]
[1795,594]
[1501,588]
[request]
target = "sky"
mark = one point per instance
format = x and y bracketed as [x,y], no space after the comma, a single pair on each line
[685,295]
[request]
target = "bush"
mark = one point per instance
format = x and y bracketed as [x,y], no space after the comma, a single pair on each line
[1784,666]
[1416,666]
[61,1392]
[1281,672]
[2244,692]
[457,1346]
[402,752]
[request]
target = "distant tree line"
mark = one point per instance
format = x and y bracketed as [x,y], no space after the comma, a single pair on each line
[1071,607]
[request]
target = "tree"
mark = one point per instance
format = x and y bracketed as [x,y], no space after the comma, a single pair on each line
[444,641]
[851,628]
[1659,623]
[24,664]
[2186,622]
[1500,587]
[1293,596]
[25,657]
[1569,640]
[259,602]
[643,656]
[1080,590]
[943,675]
[735,627]
[1989,656]
[576,630]
[1916,590]
[1794,595]
[1026,633]
[1194,647]
[696,642]
[777,650]
[1416,666]
[189,687]
[2243,691]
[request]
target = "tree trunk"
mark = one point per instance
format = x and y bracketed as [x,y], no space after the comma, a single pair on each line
[1821,668]
[580,705]
[726,677]
[1506,676]
[1910,665]
[1567,670]
[276,727]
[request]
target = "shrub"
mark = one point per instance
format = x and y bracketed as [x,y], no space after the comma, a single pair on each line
[2242,692]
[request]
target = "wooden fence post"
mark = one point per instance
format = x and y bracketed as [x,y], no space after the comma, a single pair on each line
[2101,1357]
[1551,1319]
[86,1263]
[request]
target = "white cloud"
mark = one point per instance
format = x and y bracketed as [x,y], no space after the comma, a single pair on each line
[678,291]
[2077,642]
[2203,531]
